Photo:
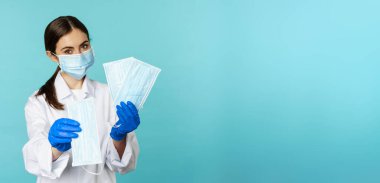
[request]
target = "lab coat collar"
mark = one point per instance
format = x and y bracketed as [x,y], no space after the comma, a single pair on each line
[63,90]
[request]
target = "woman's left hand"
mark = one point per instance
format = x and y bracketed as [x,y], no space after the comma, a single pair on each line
[128,121]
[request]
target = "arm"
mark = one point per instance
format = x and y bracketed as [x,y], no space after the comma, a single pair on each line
[56,154]
[37,152]
[120,146]
[127,161]
[123,148]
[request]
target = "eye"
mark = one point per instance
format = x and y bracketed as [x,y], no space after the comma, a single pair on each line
[85,46]
[68,51]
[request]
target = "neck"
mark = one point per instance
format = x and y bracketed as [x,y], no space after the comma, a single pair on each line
[72,82]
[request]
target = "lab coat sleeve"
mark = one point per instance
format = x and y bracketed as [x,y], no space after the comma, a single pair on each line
[37,151]
[128,161]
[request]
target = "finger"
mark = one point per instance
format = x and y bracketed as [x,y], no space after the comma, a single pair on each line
[69,128]
[121,115]
[120,112]
[138,120]
[118,107]
[68,121]
[61,140]
[134,125]
[62,134]
[126,109]
[132,107]
[117,123]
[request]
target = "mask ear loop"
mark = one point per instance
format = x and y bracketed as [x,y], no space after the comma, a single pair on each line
[94,173]
[58,63]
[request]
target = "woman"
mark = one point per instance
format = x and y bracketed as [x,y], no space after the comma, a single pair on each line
[47,154]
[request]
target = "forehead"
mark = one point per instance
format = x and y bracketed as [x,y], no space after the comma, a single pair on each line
[72,39]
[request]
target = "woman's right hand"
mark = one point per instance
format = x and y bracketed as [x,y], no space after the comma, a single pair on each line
[62,132]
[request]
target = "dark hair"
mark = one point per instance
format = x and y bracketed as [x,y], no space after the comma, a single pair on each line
[53,32]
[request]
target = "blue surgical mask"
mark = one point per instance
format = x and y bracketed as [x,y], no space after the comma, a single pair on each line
[76,65]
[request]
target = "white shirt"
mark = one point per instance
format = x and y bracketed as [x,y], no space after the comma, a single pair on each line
[37,151]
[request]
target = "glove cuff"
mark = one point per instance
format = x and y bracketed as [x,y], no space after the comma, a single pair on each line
[116,136]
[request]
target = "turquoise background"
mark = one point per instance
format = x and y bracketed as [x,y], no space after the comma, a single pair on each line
[250,91]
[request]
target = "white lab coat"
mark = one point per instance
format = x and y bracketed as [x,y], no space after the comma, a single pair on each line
[37,151]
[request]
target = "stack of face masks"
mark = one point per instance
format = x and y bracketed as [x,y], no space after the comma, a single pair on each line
[130,80]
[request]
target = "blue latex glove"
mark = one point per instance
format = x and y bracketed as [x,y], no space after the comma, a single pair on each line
[128,121]
[61,133]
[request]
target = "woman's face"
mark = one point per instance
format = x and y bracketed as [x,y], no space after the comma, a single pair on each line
[74,42]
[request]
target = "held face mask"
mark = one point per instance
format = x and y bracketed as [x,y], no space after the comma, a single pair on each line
[76,65]
[85,148]
[130,80]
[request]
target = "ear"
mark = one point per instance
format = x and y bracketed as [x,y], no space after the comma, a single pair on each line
[52,57]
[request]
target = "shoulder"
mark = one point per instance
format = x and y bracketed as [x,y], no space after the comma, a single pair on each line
[35,101]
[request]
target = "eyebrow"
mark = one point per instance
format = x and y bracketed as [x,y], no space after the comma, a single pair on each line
[73,47]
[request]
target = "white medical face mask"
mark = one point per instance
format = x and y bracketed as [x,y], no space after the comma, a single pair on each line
[130,80]
[76,65]
[85,148]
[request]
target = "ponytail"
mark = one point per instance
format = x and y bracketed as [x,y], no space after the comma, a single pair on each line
[48,89]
